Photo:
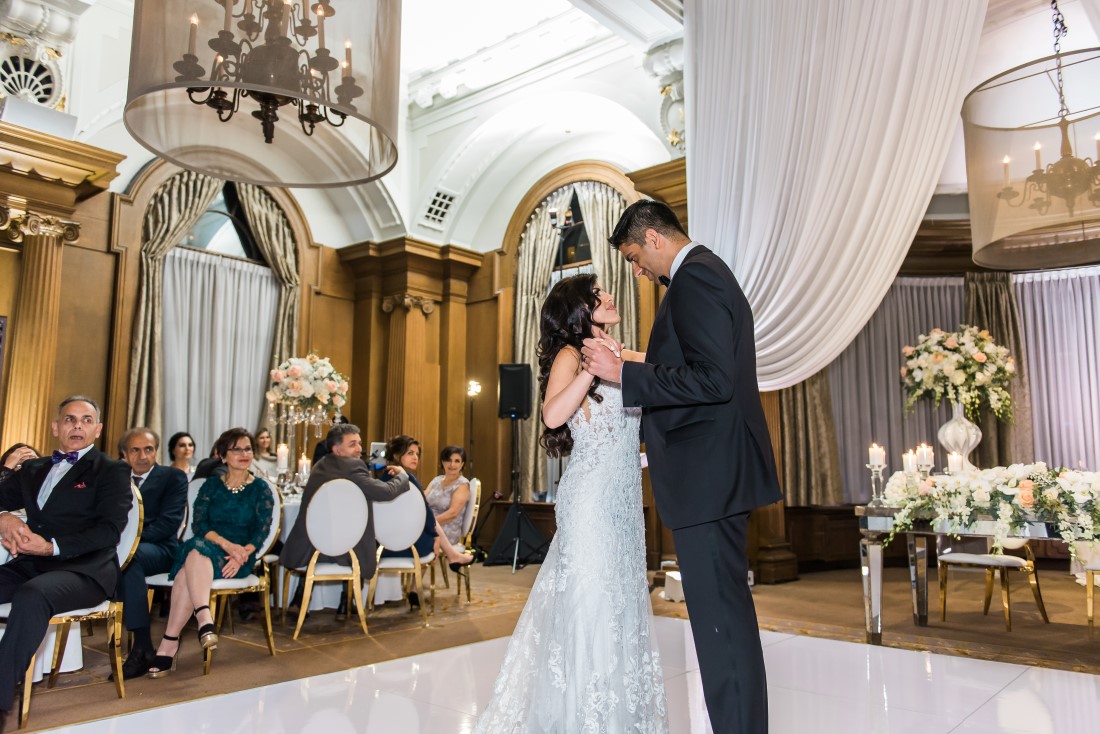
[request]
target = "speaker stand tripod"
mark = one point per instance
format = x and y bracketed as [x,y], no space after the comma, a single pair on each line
[519,541]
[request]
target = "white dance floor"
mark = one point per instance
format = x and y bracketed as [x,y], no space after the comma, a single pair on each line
[815,685]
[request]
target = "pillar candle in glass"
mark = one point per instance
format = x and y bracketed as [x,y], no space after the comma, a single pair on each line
[876,455]
[282,458]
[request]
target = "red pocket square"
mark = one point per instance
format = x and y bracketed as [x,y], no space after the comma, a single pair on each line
[82,485]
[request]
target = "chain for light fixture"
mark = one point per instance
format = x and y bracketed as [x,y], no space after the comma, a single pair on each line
[285,59]
[1069,177]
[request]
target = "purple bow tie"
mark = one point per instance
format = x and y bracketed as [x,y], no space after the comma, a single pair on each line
[70,457]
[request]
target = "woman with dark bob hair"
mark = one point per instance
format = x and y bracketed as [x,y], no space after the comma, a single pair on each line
[230,521]
[181,450]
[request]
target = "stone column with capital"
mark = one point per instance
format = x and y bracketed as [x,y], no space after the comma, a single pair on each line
[34,329]
[408,378]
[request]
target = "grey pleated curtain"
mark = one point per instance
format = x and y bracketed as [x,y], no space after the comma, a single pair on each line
[275,238]
[537,248]
[1060,318]
[865,381]
[173,210]
[811,457]
[989,303]
[602,206]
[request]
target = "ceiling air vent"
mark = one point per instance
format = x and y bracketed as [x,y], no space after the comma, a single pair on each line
[27,79]
[437,210]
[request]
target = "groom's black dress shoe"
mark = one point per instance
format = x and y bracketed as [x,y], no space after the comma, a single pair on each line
[137,664]
[342,607]
[414,600]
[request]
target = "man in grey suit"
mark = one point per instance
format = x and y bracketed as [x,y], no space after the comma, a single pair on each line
[343,463]
[710,455]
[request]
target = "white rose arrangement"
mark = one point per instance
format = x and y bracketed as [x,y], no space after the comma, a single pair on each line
[963,366]
[308,383]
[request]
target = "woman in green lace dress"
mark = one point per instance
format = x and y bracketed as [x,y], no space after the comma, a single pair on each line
[231,519]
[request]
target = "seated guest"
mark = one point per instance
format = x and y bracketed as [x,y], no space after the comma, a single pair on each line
[264,463]
[64,556]
[342,463]
[232,517]
[449,493]
[181,451]
[13,459]
[324,448]
[211,466]
[164,499]
[403,452]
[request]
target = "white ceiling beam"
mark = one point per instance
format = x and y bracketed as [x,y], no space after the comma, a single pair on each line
[642,23]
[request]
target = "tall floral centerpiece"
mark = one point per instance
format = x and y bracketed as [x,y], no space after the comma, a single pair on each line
[966,368]
[307,389]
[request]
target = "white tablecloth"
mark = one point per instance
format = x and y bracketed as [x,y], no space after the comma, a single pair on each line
[326,594]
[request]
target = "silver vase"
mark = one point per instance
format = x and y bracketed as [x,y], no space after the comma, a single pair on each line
[960,435]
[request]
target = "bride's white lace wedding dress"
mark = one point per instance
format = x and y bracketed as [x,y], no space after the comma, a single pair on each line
[582,658]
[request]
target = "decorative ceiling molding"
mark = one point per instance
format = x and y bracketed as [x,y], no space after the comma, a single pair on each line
[642,23]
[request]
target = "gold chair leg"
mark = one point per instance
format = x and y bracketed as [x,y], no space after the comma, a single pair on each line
[1090,587]
[943,591]
[466,576]
[357,596]
[114,651]
[432,587]
[1005,599]
[267,626]
[25,702]
[988,590]
[443,572]
[1033,577]
[61,638]
[149,598]
[285,586]
[308,581]
[374,583]
[420,593]
[208,653]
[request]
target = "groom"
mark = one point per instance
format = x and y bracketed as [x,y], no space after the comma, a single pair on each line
[710,455]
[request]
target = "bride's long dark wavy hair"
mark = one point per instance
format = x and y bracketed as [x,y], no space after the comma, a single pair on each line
[565,321]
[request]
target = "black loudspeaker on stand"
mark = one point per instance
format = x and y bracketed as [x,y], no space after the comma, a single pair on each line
[519,541]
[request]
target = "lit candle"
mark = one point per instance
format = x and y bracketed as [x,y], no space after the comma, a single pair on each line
[320,26]
[248,7]
[909,461]
[954,462]
[194,32]
[1038,156]
[1097,161]
[1006,161]
[303,466]
[284,21]
[925,456]
[282,458]
[228,13]
[876,455]
[216,74]
[347,57]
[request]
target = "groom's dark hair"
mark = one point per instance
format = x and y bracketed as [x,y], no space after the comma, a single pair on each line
[643,215]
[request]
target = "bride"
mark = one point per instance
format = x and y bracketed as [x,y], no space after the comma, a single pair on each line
[583,657]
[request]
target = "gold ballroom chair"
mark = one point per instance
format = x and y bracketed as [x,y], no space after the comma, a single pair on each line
[398,524]
[993,564]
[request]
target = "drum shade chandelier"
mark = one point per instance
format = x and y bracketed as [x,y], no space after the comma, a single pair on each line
[272,92]
[1047,215]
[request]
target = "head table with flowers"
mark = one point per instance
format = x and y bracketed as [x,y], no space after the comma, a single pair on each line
[1021,500]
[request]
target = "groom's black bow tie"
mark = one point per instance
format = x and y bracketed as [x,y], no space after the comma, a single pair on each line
[664,280]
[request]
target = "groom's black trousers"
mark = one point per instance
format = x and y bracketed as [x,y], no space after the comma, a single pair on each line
[714,570]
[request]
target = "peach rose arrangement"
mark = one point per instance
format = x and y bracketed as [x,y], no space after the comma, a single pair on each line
[963,366]
[1067,501]
[308,384]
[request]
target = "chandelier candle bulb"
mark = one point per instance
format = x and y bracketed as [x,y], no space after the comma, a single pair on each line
[284,20]
[320,26]
[909,462]
[1006,161]
[282,458]
[228,15]
[347,57]
[876,455]
[1038,156]
[1097,161]
[954,462]
[191,39]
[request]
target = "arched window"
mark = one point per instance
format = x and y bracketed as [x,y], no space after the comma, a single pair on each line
[223,229]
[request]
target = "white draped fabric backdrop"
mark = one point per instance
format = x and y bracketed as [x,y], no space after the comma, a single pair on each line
[817,130]
[219,322]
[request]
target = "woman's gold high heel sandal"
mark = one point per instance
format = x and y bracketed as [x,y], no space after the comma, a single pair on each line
[208,633]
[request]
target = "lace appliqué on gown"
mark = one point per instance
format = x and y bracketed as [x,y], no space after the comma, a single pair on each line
[582,658]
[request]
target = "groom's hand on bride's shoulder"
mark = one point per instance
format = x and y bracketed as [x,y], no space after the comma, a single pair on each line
[601,358]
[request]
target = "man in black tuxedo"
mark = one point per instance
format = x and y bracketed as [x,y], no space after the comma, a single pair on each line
[64,555]
[710,455]
[343,462]
[164,501]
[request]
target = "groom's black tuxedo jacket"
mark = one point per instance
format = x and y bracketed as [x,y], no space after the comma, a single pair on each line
[85,514]
[709,451]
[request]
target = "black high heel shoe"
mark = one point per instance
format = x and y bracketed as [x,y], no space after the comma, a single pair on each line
[456,566]
[208,633]
[164,664]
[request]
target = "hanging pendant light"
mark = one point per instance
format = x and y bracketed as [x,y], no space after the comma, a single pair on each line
[1032,139]
[272,92]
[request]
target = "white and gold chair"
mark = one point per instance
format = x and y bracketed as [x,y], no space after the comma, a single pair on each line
[469,521]
[398,524]
[1090,591]
[994,564]
[109,610]
[336,519]
[223,589]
